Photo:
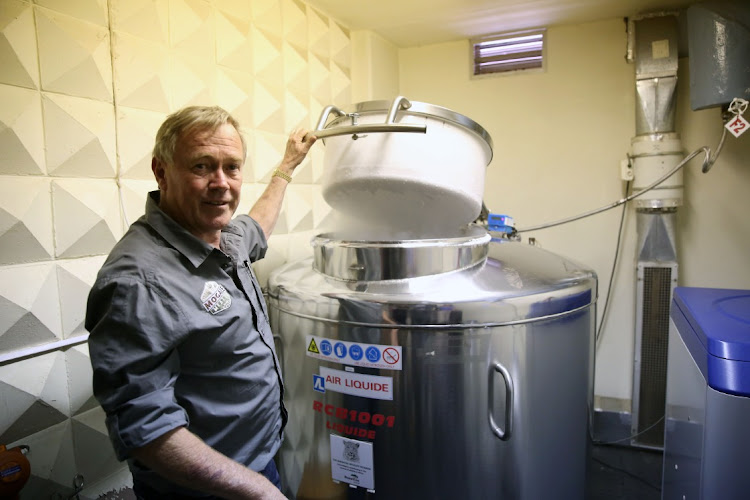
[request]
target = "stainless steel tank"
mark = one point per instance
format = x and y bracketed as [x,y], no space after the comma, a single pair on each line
[451,368]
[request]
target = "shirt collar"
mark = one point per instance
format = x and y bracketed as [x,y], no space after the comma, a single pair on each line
[194,249]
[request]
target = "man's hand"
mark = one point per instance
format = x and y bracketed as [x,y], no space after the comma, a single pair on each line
[266,210]
[297,147]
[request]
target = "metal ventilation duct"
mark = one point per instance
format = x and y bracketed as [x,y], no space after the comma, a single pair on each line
[656,149]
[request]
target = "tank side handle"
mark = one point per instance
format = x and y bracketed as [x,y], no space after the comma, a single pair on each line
[355,130]
[502,434]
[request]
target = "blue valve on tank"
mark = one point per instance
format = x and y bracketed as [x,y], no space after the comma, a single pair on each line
[501,223]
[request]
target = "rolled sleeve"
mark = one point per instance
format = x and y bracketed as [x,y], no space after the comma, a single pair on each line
[134,331]
[254,238]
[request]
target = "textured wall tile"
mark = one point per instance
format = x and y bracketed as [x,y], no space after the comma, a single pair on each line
[268,107]
[341,84]
[75,278]
[234,93]
[234,47]
[80,136]
[318,33]
[52,460]
[74,56]
[296,76]
[191,81]
[322,211]
[268,15]
[191,29]
[240,10]
[87,217]
[266,154]
[134,193]
[21,131]
[341,45]
[267,61]
[18,50]
[147,19]
[296,113]
[299,208]
[25,219]
[136,130]
[141,73]
[248,172]
[29,306]
[34,395]
[320,80]
[294,18]
[94,455]
[79,380]
[249,195]
[93,11]
[303,172]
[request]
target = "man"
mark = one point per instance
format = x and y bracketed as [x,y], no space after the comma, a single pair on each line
[183,356]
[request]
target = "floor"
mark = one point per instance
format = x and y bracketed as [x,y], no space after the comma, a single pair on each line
[620,473]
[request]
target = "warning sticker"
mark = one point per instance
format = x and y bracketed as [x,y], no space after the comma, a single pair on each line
[357,384]
[313,347]
[355,353]
[352,463]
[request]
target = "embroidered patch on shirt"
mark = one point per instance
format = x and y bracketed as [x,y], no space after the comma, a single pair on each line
[215,297]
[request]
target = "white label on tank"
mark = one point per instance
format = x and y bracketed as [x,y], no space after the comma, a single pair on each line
[386,357]
[352,463]
[357,384]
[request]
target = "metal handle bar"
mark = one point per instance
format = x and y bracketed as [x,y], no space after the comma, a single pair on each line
[399,102]
[503,435]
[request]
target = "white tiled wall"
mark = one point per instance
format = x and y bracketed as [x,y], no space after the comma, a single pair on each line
[84,86]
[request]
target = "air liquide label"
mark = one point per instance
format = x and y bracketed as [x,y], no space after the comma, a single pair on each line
[355,353]
[356,384]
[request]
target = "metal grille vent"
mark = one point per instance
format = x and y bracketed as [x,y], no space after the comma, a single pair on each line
[508,52]
[657,295]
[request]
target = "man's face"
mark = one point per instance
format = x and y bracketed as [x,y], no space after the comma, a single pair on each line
[201,189]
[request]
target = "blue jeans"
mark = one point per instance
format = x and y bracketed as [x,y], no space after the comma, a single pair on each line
[145,492]
[272,474]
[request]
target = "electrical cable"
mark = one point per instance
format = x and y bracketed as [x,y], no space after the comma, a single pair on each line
[707,160]
[737,107]
[627,473]
[614,267]
[629,437]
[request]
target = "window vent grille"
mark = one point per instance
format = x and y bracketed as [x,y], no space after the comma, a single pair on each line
[508,52]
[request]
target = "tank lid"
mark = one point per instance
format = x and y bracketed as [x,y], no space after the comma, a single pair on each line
[359,260]
[419,108]
[714,324]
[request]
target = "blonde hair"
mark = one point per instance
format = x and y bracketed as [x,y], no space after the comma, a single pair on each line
[188,120]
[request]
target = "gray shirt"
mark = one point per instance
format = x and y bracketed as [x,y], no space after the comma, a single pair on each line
[180,337]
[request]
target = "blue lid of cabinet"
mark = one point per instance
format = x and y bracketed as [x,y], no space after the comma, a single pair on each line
[714,323]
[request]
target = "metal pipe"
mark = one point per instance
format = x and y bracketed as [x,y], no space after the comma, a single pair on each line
[41,349]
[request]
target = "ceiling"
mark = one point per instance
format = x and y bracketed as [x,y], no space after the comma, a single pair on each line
[410,23]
